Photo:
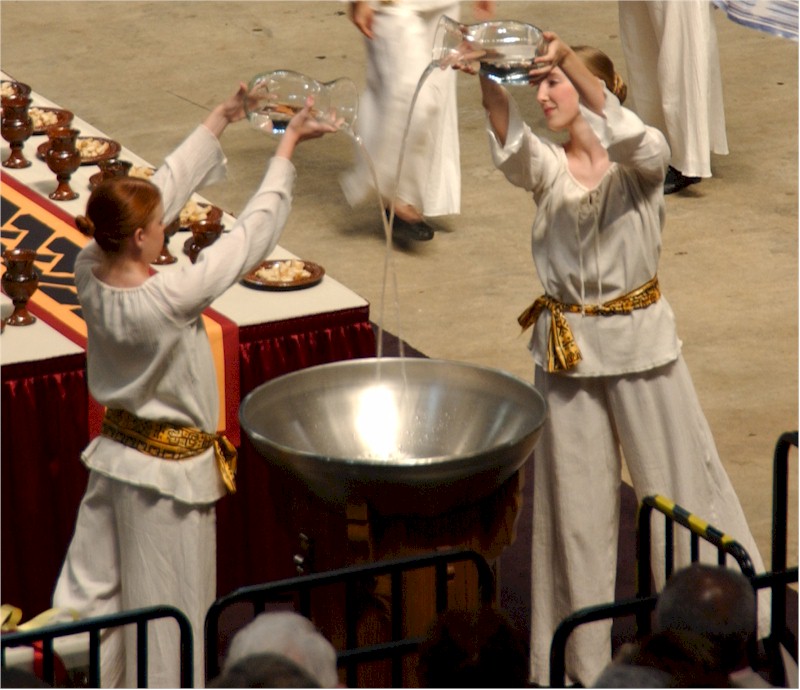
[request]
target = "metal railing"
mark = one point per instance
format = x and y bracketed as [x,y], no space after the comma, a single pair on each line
[699,530]
[140,617]
[642,605]
[780,635]
[301,587]
[780,513]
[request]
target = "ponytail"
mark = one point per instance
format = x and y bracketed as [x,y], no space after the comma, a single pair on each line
[602,67]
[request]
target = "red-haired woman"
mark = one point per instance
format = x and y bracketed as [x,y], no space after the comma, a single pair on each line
[145,533]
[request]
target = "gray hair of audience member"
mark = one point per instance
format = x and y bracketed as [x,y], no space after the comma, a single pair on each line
[289,634]
[713,601]
[264,671]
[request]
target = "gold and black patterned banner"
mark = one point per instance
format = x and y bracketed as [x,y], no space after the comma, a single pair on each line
[51,233]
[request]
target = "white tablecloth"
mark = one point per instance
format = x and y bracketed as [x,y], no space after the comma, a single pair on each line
[244,306]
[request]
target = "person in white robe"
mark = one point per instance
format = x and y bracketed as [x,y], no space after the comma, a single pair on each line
[607,356]
[675,79]
[399,38]
[145,534]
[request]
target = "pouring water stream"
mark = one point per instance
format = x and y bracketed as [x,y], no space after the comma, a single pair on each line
[388,222]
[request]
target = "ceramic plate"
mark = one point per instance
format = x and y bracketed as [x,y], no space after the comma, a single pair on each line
[111,151]
[254,281]
[214,214]
[143,171]
[63,118]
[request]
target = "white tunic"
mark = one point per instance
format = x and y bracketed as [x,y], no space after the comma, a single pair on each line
[591,246]
[148,351]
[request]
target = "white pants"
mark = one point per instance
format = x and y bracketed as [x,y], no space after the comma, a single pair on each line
[132,548]
[654,420]
[674,76]
[397,57]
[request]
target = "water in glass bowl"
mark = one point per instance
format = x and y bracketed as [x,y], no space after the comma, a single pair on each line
[275,97]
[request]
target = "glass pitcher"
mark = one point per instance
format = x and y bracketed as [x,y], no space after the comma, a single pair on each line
[275,97]
[505,49]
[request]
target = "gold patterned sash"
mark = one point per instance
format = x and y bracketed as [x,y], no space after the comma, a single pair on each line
[170,442]
[562,350]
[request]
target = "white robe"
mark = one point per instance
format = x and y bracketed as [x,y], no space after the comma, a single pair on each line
[397,57]
[674,77]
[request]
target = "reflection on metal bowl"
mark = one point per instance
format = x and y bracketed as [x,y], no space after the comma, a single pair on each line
[408,436]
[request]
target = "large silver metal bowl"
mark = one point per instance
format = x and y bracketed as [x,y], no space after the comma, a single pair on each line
[406,435]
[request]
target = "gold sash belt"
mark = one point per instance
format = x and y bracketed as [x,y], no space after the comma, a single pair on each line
[562,350]
[170,442]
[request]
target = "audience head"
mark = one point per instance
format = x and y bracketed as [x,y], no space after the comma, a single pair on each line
[291,635]
[714,602]
[473,649]
[116,208]
[264,671]
[603,68]
[627,675]
[671,659]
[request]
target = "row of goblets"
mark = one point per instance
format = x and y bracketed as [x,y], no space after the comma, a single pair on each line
[63,158]
[21,279]
[61,154]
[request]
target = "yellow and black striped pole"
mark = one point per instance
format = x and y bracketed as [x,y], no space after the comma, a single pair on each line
[699,528]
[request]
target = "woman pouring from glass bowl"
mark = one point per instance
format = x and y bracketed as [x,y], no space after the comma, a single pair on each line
[145,533]
[607,356]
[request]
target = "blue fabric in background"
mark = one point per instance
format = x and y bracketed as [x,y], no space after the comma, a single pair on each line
[777,17]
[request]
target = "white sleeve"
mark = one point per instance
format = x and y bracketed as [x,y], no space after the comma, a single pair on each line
[251,239]
[197,162]
[628,140]
[526,160]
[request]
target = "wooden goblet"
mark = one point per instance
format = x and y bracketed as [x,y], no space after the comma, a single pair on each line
[166,257]
[19,282]
[63,158]
[16,127]
[204,234]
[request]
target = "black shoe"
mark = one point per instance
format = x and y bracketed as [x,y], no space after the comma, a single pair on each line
[676,180]
[419,232]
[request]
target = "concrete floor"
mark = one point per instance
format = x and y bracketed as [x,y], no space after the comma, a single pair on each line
[146,72]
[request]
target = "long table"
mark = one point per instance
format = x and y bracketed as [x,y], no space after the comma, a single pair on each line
[47,413]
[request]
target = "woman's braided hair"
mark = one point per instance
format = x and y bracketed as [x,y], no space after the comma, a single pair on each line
[602,67]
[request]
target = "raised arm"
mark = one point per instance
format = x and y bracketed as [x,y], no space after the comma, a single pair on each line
[230,110]
[361,14]
[483,10]
[559,54]
[301,127]
[494,99]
